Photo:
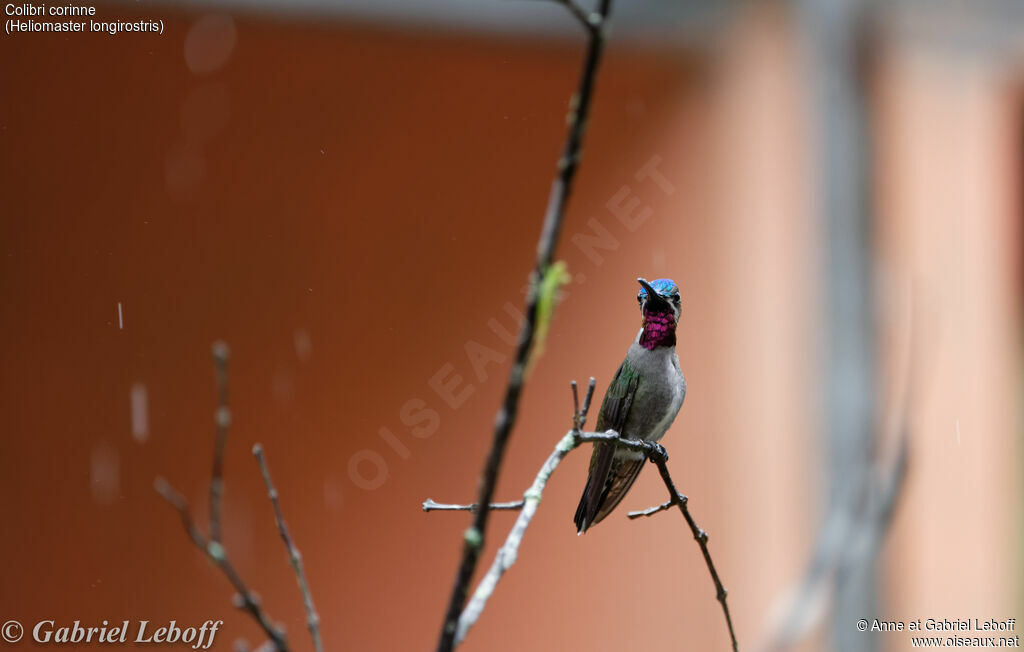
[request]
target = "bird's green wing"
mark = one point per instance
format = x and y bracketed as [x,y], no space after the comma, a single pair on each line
[618,399]
[614,412]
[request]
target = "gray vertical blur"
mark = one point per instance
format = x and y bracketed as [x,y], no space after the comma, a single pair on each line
[838,111]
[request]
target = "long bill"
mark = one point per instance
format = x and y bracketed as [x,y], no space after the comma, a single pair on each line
[653,298]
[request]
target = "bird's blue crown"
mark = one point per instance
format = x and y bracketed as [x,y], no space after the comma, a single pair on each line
[666,287]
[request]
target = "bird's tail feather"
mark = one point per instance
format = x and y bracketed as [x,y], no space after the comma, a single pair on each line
[608,483]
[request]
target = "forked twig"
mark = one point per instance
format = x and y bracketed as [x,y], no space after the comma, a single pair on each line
[213,548]
[215,552]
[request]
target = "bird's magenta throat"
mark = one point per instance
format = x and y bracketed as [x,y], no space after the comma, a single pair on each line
[659,330]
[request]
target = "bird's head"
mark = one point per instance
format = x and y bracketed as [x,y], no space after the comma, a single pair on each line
[660,296]
[660,306]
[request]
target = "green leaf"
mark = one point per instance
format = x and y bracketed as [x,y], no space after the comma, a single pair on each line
[555,276]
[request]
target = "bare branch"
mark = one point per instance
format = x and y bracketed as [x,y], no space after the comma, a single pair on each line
[430,506]
[223,419]
[213,548]
[591,21]
[660,459]
[294,556]
[473,539]
[650,511]
[657,454]
[215,552]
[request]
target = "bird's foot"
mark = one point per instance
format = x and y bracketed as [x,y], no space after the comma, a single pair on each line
[656,452]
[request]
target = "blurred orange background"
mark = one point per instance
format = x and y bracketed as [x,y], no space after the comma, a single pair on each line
[349,205]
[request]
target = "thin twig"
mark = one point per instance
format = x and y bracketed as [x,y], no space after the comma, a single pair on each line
[580,413]
[660,459]
[294,556]
[223,420]
[657,454]
[473,539]
[650,511]
[430,506]
[575,404]
[215,552]
[589,20]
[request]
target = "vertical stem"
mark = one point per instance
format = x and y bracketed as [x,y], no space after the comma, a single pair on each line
[473,540]
[223,419]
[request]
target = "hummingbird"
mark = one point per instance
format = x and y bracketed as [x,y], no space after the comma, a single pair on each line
[640,403]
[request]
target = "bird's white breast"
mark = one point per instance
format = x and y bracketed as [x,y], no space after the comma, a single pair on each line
[660,394]
[678,387]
